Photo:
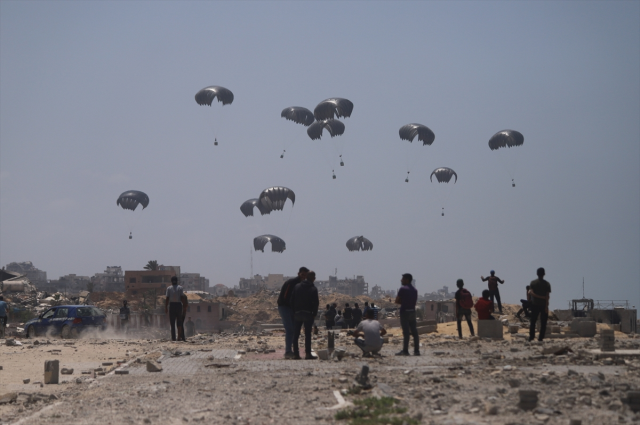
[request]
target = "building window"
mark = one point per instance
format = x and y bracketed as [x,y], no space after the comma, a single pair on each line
[132,280]
[198,309]
[209,309]
[431,307]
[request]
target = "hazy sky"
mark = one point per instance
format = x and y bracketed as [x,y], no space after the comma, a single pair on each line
[98,97]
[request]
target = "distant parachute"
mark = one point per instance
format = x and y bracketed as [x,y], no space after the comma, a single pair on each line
[359,243]
[506,139]
[277,244]
[247,207]
[443,175]
[299,115]
[207,94]
[334,127]
[274,198]
[130,200]
[334,107]
[424,133]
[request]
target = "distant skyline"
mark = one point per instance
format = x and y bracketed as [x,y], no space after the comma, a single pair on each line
[97,98]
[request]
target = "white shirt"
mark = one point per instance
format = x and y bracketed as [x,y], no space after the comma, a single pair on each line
[371,329]
[174,293]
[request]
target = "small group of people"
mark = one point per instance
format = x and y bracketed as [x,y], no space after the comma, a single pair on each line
[348,318]
[535,306]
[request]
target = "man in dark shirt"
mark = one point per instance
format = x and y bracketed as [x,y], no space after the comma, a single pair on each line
[328,317]
[286,311]
[494,292]
[305,304]
[407,298]
[357,315]
[125,312]
[462,295]
[540,290]
[347,314]
[365,309]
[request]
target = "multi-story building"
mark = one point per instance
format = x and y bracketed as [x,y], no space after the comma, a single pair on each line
[36,276]
[351,287]
[71,284]
[112,280]
[137,282]
[194,282]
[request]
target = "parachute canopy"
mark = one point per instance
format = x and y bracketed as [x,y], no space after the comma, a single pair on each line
[506,139]
[334,107]
[207,94]
[130,200]
[299,115]
[277,244]
[247,207]
[359,243]
[443,175]
[424,133]
[274,198]
[334,127]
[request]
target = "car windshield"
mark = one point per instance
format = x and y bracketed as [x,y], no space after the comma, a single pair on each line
[97,311]
[49,313]
[83,311]
[62,312]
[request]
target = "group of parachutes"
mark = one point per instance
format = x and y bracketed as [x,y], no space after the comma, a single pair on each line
[324,117]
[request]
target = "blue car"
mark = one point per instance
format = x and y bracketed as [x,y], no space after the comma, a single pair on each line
[66,320]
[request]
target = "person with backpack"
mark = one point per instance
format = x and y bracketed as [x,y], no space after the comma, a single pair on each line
[464,303]
[347,314]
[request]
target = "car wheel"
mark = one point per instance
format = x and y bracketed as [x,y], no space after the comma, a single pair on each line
[74,333]
[66,332]
[31,332]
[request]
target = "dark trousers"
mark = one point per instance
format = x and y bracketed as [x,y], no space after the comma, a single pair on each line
[544,316]
[329,324]
[495,293]
[409,327]
[181,327]
[308,328]
[175,311]
[526,308]
[467,314]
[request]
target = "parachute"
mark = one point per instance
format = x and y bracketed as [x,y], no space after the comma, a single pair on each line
[130,200]
[359,243]
[334,127]
[443,175]
[424,133]
[334,107]
[274,198]
[247,207]
[299,115]
[507,139]
[207,94]
[409,132]
[277,244]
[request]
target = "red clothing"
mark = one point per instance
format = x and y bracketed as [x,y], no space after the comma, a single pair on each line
[484,309]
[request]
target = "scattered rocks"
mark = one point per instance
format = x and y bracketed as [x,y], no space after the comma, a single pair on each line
[153,366]
[66,371]
[26,381]
[528,399]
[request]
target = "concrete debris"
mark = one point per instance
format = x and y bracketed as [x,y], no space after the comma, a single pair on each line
[153,366]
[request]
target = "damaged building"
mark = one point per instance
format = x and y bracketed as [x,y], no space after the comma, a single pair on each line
[352,287]
[618,313]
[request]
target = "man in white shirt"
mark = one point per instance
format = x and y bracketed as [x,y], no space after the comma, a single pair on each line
[173,305]
[372,331]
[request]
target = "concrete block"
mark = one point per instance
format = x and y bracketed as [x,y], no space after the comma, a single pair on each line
[153,366]
[607,340]
[323,354]
[633,399]
[427,329]
[426,323]
[585,329]
[513,329]
[528,399]
[51,371]
[554,329]
[66,371]
[489,329]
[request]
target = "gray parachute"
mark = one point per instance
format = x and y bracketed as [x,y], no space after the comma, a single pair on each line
[130,200]
[424,133]
[334,127]
[506,139]
[359,243]
[299,115]
[277,244]
[443,175]
[334,107]
[207,94]
[274,198]
[248,205]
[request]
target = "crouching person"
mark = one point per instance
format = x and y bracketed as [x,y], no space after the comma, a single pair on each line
[371,332]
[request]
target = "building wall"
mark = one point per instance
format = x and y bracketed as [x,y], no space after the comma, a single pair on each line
[206,315]
[138,281]
[440,311]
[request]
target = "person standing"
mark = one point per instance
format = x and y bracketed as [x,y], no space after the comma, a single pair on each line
[365,309]
[464,302]
[3,316]
[347,314]
[173,305]
[540,290]
[357,315]
[407,298]
[372,332]
[286,310]
[328,318]
[185,307]
[494,292]
[339,320]
[125,312]
[375,310]
[305,304]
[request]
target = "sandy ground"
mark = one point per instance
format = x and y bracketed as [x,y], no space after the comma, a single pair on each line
[454,382]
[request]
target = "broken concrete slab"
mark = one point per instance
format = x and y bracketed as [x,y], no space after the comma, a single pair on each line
[490,329]
[153,366]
